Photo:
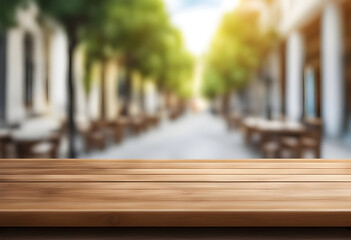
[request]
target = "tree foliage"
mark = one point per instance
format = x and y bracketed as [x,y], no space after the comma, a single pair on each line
[141,34]
[172,65]
[236,51]
[73,15]
[8,13]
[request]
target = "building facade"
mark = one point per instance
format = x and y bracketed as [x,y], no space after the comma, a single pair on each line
[33,66]
[309,64]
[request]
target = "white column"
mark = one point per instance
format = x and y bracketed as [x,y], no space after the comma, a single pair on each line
[151,98]
[295,56]
[39,101]
[58,73]
[275,99]
[256,97]
[111,91]
[15,74]
[81,95]
[333,78]
[95,93]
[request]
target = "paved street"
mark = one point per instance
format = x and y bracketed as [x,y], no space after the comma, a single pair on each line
[194,136]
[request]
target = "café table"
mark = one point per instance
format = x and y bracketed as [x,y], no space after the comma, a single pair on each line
[275,130]
[26,140]
[38,135]
[249,127]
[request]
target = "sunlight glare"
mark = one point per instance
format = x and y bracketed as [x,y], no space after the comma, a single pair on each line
[199,20]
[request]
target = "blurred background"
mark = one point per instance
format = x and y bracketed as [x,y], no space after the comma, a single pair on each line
[175,79]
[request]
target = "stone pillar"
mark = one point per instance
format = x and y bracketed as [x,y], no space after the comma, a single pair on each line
[15,77]
[94,102]
[111,91]
[58,74]
[333,93]
[295,62]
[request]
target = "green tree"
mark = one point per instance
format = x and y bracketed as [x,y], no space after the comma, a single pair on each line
[136,30]
[174,69]
[97,49]
[236,51]
[213,84]
[8,10]
[139,32]
[74,16]
[179,73]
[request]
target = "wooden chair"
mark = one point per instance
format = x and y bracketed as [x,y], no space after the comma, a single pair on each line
[249,129]
[94,137]
[145,123]
[55,142]
[119,132]
[24,148]
[44,150]
[152,121]
[312,141]
[5,145]
[136,125]
[271,150]
[270,145]
[7,148]
[291,146]
[175,113]
[118,127]
[309,141]
[38,148]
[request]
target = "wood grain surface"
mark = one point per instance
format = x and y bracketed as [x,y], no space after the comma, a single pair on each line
[181,193]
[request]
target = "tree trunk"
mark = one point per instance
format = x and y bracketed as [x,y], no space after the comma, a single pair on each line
[103,91]
[47,46]
[71,100]
[127,92]
[269,93]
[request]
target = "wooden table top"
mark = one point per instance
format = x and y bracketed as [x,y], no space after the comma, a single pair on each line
[175,192]
[274,126]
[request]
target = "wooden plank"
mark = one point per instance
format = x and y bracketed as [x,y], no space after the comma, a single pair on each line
[176,178]
[50,187]
[175,192]
[86,161]
[135,204]
[109,218]
[182,171]
[170,165]
[127,204]
[116,195]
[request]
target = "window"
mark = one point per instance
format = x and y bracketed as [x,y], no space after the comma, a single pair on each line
[310,86]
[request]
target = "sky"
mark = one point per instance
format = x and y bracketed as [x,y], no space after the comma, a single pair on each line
[198,20]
